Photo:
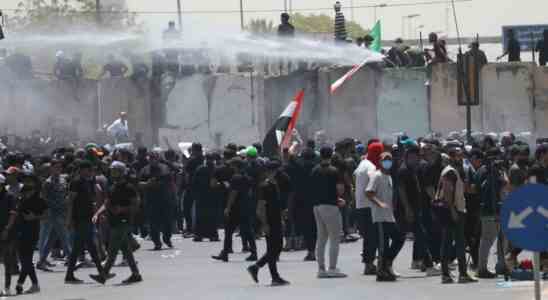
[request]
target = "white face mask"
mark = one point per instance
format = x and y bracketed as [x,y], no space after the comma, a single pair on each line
[387,164]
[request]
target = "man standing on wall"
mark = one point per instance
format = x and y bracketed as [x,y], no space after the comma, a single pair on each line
[542,49]
[513,49]
[340,24]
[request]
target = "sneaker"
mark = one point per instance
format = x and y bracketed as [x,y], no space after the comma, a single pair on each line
[253,270]
[5,293]
[221,257]
[486,274]
[98,278]
[310,257]
[19,289]
[433,271]
[197,239]
[322,274]
[416,265]
[33,289]
[336,273]
[279,282]
[392,272]
[157,248]
[370,269]
[43,267]
[73,280]
[134,278]
[252,257]
[463,279]
[446,279]
[385,276]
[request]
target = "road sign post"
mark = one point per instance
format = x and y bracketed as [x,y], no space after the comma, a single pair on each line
[536,267]
[524,218]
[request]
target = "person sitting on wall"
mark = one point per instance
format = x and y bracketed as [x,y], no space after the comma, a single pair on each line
[542,49]
[114,67]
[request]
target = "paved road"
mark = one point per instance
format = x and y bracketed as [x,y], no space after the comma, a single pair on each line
[187,272]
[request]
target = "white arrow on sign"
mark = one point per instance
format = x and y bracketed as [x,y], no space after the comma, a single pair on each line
[543,211]
[516,220]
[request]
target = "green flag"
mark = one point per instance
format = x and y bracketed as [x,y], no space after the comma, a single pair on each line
[376,34]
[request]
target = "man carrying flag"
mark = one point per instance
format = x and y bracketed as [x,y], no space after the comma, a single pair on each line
[278,136]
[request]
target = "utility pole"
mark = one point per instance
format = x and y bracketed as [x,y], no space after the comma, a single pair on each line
[180,15]
[242,15]
[352,10]
[98,12]
[285,6]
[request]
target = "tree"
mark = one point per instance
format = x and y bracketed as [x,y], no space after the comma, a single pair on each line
[260,27]
[324,24]
[59,16]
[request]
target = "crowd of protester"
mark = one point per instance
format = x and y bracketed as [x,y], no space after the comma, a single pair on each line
[446,193]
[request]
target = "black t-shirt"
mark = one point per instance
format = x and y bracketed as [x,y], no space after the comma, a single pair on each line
[540,172]
[242,184]
[270,192]
[286,30]
[35,205]
[7,208]
[409,181]
[122,195]
[83,206]
[115,68]
[325,179]
[514,50]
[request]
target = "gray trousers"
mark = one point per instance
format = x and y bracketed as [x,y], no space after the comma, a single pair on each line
[329,225]
[489,233]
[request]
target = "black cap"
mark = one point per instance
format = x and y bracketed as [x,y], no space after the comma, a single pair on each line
[326,152]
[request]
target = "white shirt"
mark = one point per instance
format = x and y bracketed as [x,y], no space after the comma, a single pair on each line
[362,173]
[118,129]
[382,185]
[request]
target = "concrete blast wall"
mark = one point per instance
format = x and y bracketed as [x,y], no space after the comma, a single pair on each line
[217,109]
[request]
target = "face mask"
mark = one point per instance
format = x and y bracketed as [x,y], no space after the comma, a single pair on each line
[386,164]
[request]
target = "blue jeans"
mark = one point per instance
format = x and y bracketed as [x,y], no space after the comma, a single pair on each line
[53,224]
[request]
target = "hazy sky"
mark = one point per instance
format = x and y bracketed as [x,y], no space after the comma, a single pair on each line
[478,16]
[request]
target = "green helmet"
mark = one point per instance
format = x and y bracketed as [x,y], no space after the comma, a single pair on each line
[251,151]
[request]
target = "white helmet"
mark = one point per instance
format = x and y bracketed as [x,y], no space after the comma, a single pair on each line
[118,165]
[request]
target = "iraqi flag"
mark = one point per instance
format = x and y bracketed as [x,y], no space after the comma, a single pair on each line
[280,134]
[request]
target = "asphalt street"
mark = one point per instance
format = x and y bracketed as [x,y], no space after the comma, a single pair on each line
[188,272]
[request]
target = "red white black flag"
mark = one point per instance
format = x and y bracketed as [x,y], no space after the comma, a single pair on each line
[280,134]
[347,76]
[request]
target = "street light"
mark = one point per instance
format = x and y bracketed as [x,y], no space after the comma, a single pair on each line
[375,10]
[417,29]
[409,18]
[242,15]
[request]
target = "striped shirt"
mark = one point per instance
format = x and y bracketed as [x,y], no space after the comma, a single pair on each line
[340,27]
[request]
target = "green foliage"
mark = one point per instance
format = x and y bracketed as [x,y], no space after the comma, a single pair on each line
[260,27]
[324,24]
[59,16]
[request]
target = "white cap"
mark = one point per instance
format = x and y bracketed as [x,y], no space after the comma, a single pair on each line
[119,166]
[59,54]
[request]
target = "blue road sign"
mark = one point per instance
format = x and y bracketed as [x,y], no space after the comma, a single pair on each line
[527,35]
[524,217]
